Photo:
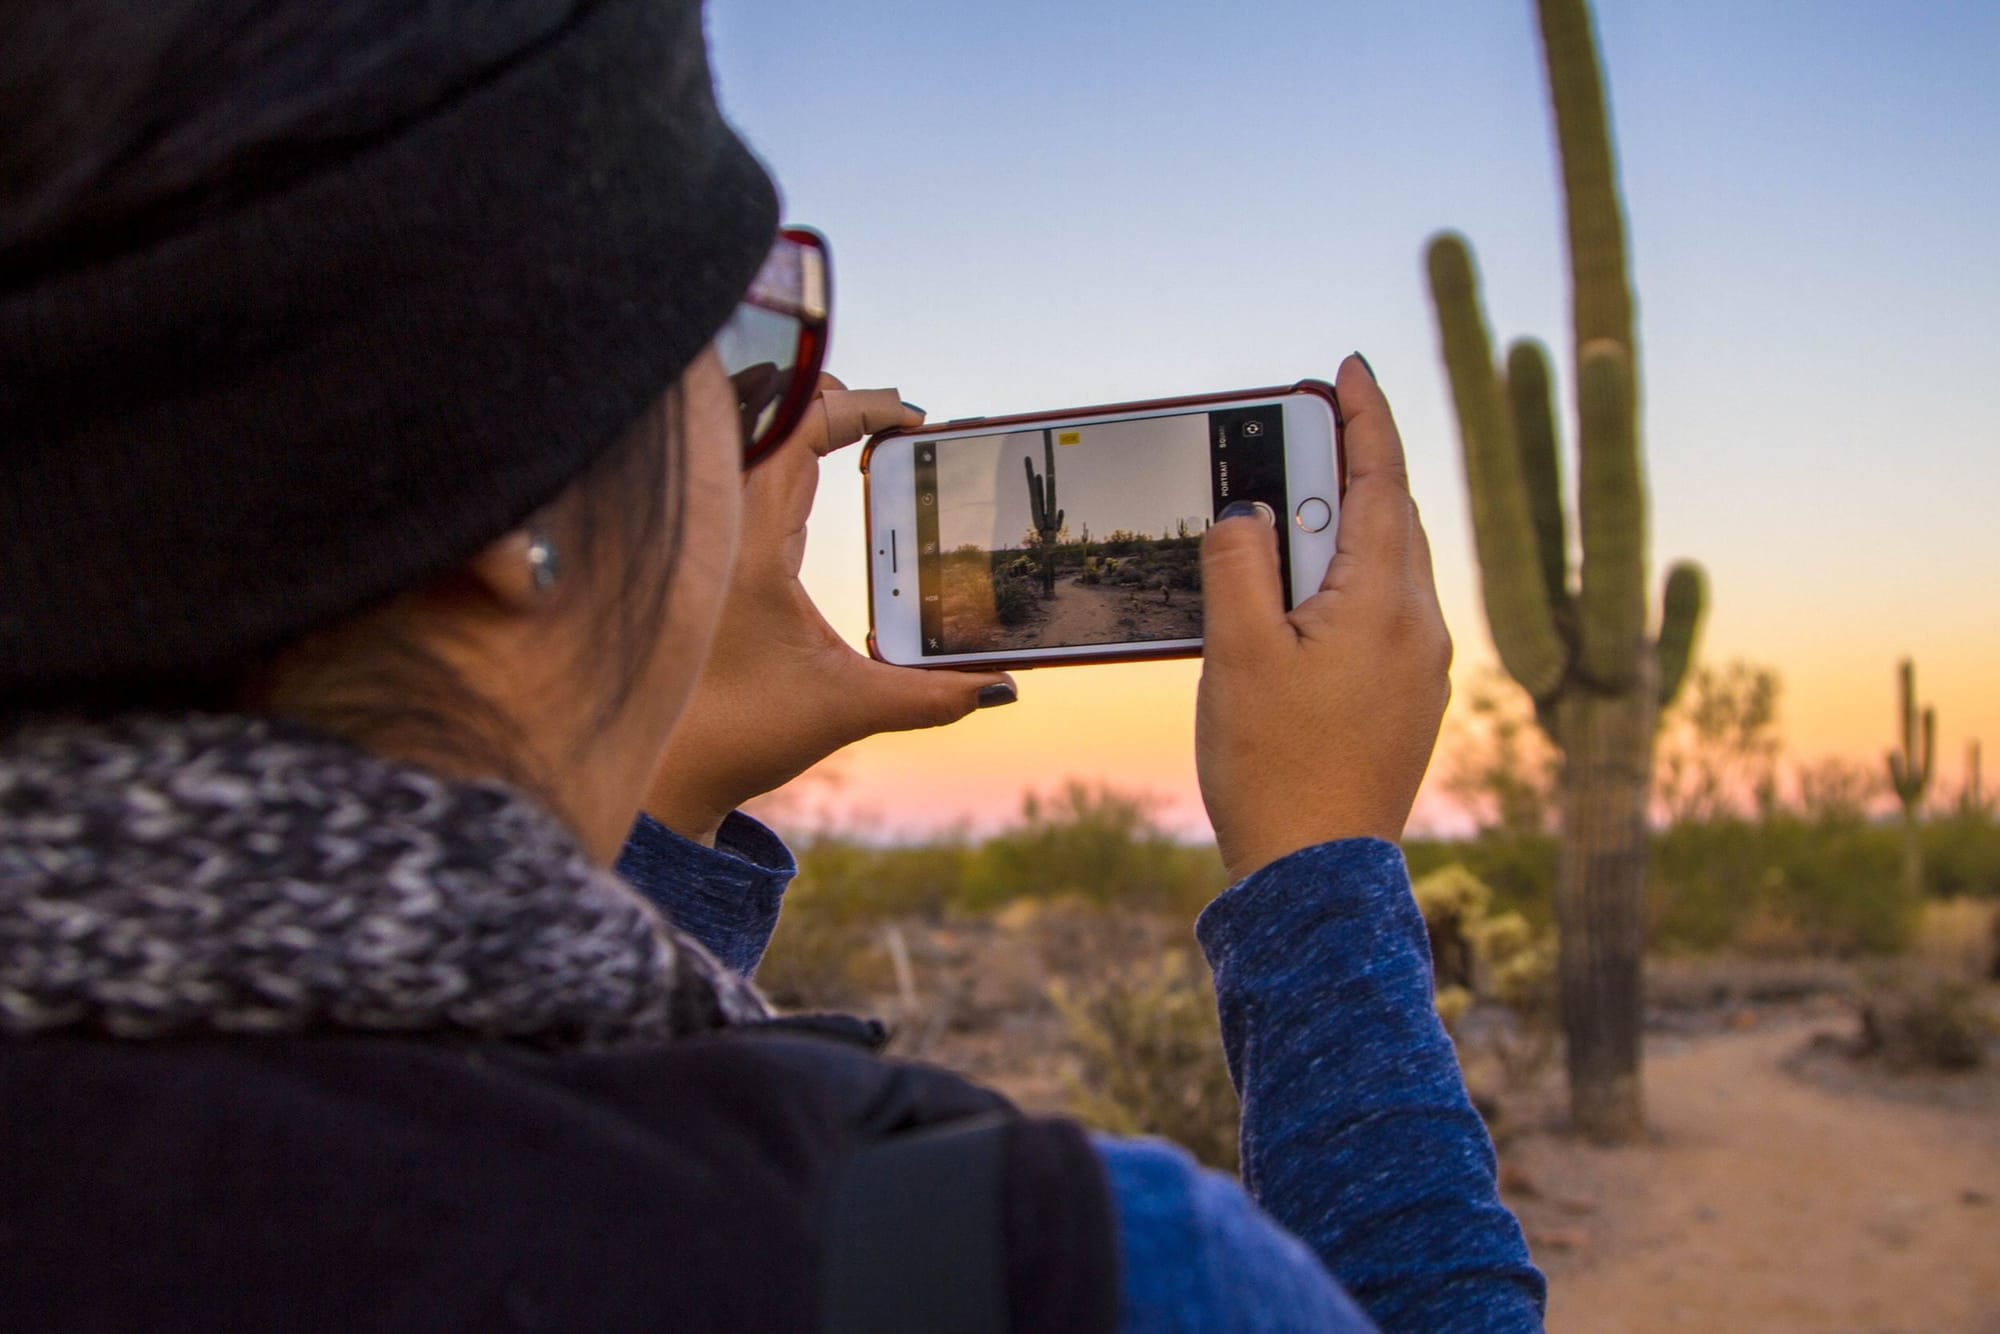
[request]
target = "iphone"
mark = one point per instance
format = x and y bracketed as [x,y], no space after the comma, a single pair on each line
[1074,536]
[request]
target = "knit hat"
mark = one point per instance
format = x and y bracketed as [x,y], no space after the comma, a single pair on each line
[339,354]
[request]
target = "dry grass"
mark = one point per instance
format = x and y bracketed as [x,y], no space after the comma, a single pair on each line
[1956,938]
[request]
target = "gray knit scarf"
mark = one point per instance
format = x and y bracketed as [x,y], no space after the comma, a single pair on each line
[210,874]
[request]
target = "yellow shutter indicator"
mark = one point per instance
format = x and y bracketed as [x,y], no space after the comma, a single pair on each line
[1069,437]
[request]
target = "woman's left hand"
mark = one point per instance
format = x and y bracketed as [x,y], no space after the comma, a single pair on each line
[781,690]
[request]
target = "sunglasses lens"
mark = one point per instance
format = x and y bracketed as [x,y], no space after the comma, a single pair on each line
[759,350]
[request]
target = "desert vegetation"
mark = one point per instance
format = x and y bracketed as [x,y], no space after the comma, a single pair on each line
[1074,589]
[1046,954]
[1788,966]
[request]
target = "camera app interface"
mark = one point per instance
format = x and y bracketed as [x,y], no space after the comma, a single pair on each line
[1087,533]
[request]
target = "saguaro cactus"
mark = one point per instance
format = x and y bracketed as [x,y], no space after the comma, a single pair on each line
[1578,646]
[1910,776]
[1972,793]
[1042,509]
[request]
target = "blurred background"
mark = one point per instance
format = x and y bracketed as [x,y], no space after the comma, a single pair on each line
[1050,204]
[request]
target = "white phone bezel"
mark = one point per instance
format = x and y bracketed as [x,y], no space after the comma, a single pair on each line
[1311,472]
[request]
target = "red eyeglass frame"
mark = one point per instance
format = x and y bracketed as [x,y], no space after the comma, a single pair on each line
[796,281]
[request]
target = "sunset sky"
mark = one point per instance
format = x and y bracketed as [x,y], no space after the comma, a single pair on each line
[1037,205]
[1141,476]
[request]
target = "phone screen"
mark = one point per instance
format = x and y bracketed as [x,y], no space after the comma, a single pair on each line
[1085,532]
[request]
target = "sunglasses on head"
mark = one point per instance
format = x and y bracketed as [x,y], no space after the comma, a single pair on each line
[772,348]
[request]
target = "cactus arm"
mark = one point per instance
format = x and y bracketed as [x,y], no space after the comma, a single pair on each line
[1611,516]
[1930,750]
[1035,504]
[1899,769]
[1535,438]
[1907,671]
[1603,296]
[1680,623]
[1911,766]
[1503,528]
[1049,455]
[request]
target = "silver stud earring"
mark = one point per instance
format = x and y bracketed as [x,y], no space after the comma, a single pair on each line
[543,564]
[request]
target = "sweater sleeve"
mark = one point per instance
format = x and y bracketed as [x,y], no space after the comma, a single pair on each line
[1358,1135]
[727,897]
[1198,1255]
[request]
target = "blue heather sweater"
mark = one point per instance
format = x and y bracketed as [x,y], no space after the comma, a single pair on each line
[1370,1176]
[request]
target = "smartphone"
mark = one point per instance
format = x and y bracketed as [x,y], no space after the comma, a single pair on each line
[1074,536]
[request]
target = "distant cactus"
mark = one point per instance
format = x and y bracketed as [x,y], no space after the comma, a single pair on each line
[1042,508]
[1972,802]
[1578,647]
[1910,777]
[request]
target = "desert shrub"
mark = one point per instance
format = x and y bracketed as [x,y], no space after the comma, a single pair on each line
[1705,883]
[1147,1055]
[1958,938]
[1962,856]
[1123,542]
[1452,1005]
[1015,598]
[1915,1019]
[1090,574]
[1453,901]
[1097,844]
[1519,868]
[1841,885]
[1483,956]
[850,881]
[818,960]
[1784,884]
[1077,938]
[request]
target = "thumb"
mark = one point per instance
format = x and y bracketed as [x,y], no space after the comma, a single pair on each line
[902,699]
[1242,598]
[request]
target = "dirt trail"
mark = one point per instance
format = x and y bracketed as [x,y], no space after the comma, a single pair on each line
[1080,615]
[1769,1203]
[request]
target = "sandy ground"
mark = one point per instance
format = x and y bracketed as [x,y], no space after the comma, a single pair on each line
[1770,1201]
[1105,614]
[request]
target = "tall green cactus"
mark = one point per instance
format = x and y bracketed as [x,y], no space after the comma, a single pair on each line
[1578,645]
[1910,776]
[1972,796]
[1042,509]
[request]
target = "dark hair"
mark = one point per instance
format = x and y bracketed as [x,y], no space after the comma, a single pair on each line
[373,680]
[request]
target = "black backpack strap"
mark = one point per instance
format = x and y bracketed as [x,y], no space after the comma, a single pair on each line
[916,1236]
[978,1226]
[868,1034]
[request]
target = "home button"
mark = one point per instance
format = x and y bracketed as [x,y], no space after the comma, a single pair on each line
[1313,514]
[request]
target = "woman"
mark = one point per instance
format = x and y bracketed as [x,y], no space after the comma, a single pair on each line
[376,550]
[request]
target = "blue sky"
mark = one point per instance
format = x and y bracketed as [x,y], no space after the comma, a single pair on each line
[1039,205]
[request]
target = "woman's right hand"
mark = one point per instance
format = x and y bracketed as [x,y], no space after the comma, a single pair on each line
[1318,723]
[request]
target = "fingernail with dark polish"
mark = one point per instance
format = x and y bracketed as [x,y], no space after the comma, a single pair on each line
[1366,367]
[914,408]
[1248,509]
[1000,692]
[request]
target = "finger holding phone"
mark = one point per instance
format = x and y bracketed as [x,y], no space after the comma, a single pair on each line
[782,690]
[1317,723]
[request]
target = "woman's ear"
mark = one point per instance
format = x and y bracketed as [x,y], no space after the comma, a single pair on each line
[519,570]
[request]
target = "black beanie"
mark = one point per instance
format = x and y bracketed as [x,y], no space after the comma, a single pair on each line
[268,394]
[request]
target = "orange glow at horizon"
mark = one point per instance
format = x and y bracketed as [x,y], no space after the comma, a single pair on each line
[1131,726]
